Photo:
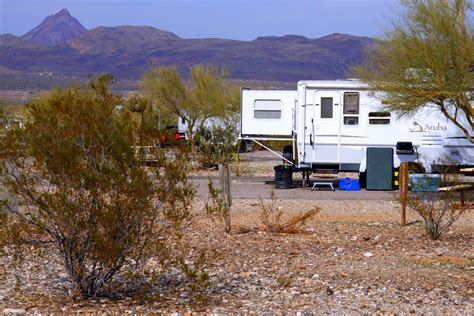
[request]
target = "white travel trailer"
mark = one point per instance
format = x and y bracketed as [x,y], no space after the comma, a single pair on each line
[332,123]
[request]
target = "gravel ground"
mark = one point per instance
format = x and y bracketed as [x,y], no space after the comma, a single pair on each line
[261,187]
[353,257]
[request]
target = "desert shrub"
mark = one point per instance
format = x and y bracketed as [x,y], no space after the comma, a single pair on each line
[239,167]
[81,185]
[216,141]
[284,281]
[438,212]
[10,115]
[272,217]
[216,206]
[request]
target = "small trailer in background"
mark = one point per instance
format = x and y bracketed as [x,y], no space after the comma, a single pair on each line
[332,123]
[231,120]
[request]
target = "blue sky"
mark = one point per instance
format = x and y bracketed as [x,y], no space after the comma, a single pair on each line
[234,19]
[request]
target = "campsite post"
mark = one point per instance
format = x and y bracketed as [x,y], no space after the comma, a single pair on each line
[404,190]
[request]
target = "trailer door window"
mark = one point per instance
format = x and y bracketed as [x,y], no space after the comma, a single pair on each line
[326,108]
[268,109]
[351,108]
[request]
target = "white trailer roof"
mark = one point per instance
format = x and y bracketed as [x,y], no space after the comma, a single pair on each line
[334,84]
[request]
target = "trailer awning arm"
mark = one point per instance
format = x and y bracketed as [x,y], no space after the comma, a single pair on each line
[272,151]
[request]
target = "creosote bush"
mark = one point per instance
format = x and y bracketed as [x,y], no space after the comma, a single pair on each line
[440,210]
[272,217]
[80,184]
[438,213]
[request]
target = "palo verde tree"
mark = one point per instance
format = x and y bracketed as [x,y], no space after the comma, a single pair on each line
[81,185]
[427,59]
[207,94]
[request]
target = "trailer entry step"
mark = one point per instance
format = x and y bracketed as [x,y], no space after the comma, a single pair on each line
[326,183]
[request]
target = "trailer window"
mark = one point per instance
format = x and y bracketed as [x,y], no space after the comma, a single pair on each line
[379,118]
[268,109]
[326,108]
[351,120]
[351,103]
[351,108]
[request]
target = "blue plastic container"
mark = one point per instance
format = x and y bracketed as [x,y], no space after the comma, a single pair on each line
[425,182]
[348,184]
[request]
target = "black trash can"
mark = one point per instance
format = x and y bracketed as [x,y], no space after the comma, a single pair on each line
[283,177]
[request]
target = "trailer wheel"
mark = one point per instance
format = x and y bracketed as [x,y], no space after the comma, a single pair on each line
[243,146]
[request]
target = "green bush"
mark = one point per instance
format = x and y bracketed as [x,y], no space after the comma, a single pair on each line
[216,143]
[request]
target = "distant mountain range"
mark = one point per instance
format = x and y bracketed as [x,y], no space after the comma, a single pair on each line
[60,45]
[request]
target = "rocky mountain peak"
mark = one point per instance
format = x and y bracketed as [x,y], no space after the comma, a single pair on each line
[55,29]
[63,12]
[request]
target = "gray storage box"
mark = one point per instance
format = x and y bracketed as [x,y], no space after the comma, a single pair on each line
[379,169]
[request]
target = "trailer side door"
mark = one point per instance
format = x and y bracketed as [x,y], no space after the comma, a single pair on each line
[322,129]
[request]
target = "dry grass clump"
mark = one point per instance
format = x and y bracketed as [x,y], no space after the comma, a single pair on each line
[239,167]
[272,217]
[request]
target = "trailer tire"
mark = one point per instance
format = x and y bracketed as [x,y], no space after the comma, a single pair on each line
[243,146]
